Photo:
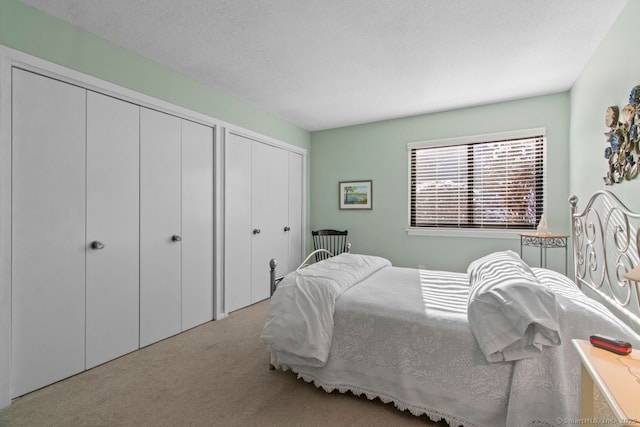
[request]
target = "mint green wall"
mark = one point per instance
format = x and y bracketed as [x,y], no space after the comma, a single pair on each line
[378,151]
[27,29]
[607,80]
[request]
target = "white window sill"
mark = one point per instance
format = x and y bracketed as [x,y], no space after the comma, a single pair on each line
[467,232]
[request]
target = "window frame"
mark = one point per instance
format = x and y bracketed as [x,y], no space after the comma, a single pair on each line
[464,140]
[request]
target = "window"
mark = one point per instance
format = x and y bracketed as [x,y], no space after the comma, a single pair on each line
[488,182]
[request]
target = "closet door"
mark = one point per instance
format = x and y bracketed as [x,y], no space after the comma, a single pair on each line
[112,228]
[237,217]
[197,224]
[269,214]
[296,251]
[48,231]
[160,226]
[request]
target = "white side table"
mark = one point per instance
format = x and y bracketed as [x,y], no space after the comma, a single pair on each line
[617,379]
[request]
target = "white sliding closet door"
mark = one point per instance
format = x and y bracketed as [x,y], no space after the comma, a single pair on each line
[160,226]
[296,251]
[48,231]
[237,238]
[112,221]
[197,224]
[269,213]
[263,217]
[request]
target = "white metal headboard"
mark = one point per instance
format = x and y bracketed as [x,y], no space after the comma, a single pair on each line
[605,238]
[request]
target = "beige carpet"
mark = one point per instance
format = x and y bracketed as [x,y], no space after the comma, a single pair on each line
[213,375]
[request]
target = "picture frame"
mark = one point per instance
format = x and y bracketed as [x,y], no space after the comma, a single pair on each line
[355,194]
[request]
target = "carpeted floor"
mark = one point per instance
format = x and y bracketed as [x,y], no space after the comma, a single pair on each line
[213,375]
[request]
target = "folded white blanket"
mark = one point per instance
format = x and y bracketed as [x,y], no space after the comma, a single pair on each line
[511,313]
[300,323]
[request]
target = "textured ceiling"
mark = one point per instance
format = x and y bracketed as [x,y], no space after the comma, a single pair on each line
[329,63]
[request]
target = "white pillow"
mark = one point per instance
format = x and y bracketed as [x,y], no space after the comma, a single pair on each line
[511,313]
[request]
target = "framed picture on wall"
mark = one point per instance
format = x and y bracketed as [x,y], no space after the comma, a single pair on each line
[355,194]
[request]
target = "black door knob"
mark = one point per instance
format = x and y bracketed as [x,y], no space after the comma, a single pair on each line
[97,245]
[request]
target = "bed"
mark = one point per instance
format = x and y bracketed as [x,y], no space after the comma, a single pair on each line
[443,344]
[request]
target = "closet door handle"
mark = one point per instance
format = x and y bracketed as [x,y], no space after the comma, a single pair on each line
[176,238]
[97,245]
[287,228]
[256,231]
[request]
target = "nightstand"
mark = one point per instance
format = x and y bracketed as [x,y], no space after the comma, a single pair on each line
[617,379]
[545,241]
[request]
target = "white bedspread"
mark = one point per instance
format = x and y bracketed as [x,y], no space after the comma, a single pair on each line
[300,323]
[547,388]
[402,335]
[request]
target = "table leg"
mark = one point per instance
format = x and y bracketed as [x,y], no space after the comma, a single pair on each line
[520,246]
[541,248]
[586,395]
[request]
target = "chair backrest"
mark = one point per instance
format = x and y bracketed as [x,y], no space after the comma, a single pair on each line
[335,241]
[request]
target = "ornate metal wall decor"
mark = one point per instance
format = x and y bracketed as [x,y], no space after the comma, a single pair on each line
[623,138]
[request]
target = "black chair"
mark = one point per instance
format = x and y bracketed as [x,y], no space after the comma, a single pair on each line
[334,241]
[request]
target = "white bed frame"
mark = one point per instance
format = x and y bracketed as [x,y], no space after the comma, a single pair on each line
[273,264]
[605,239]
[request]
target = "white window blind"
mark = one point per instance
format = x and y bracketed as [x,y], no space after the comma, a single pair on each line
[496,183]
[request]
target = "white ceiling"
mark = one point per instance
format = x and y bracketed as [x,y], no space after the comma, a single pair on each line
[329,63]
